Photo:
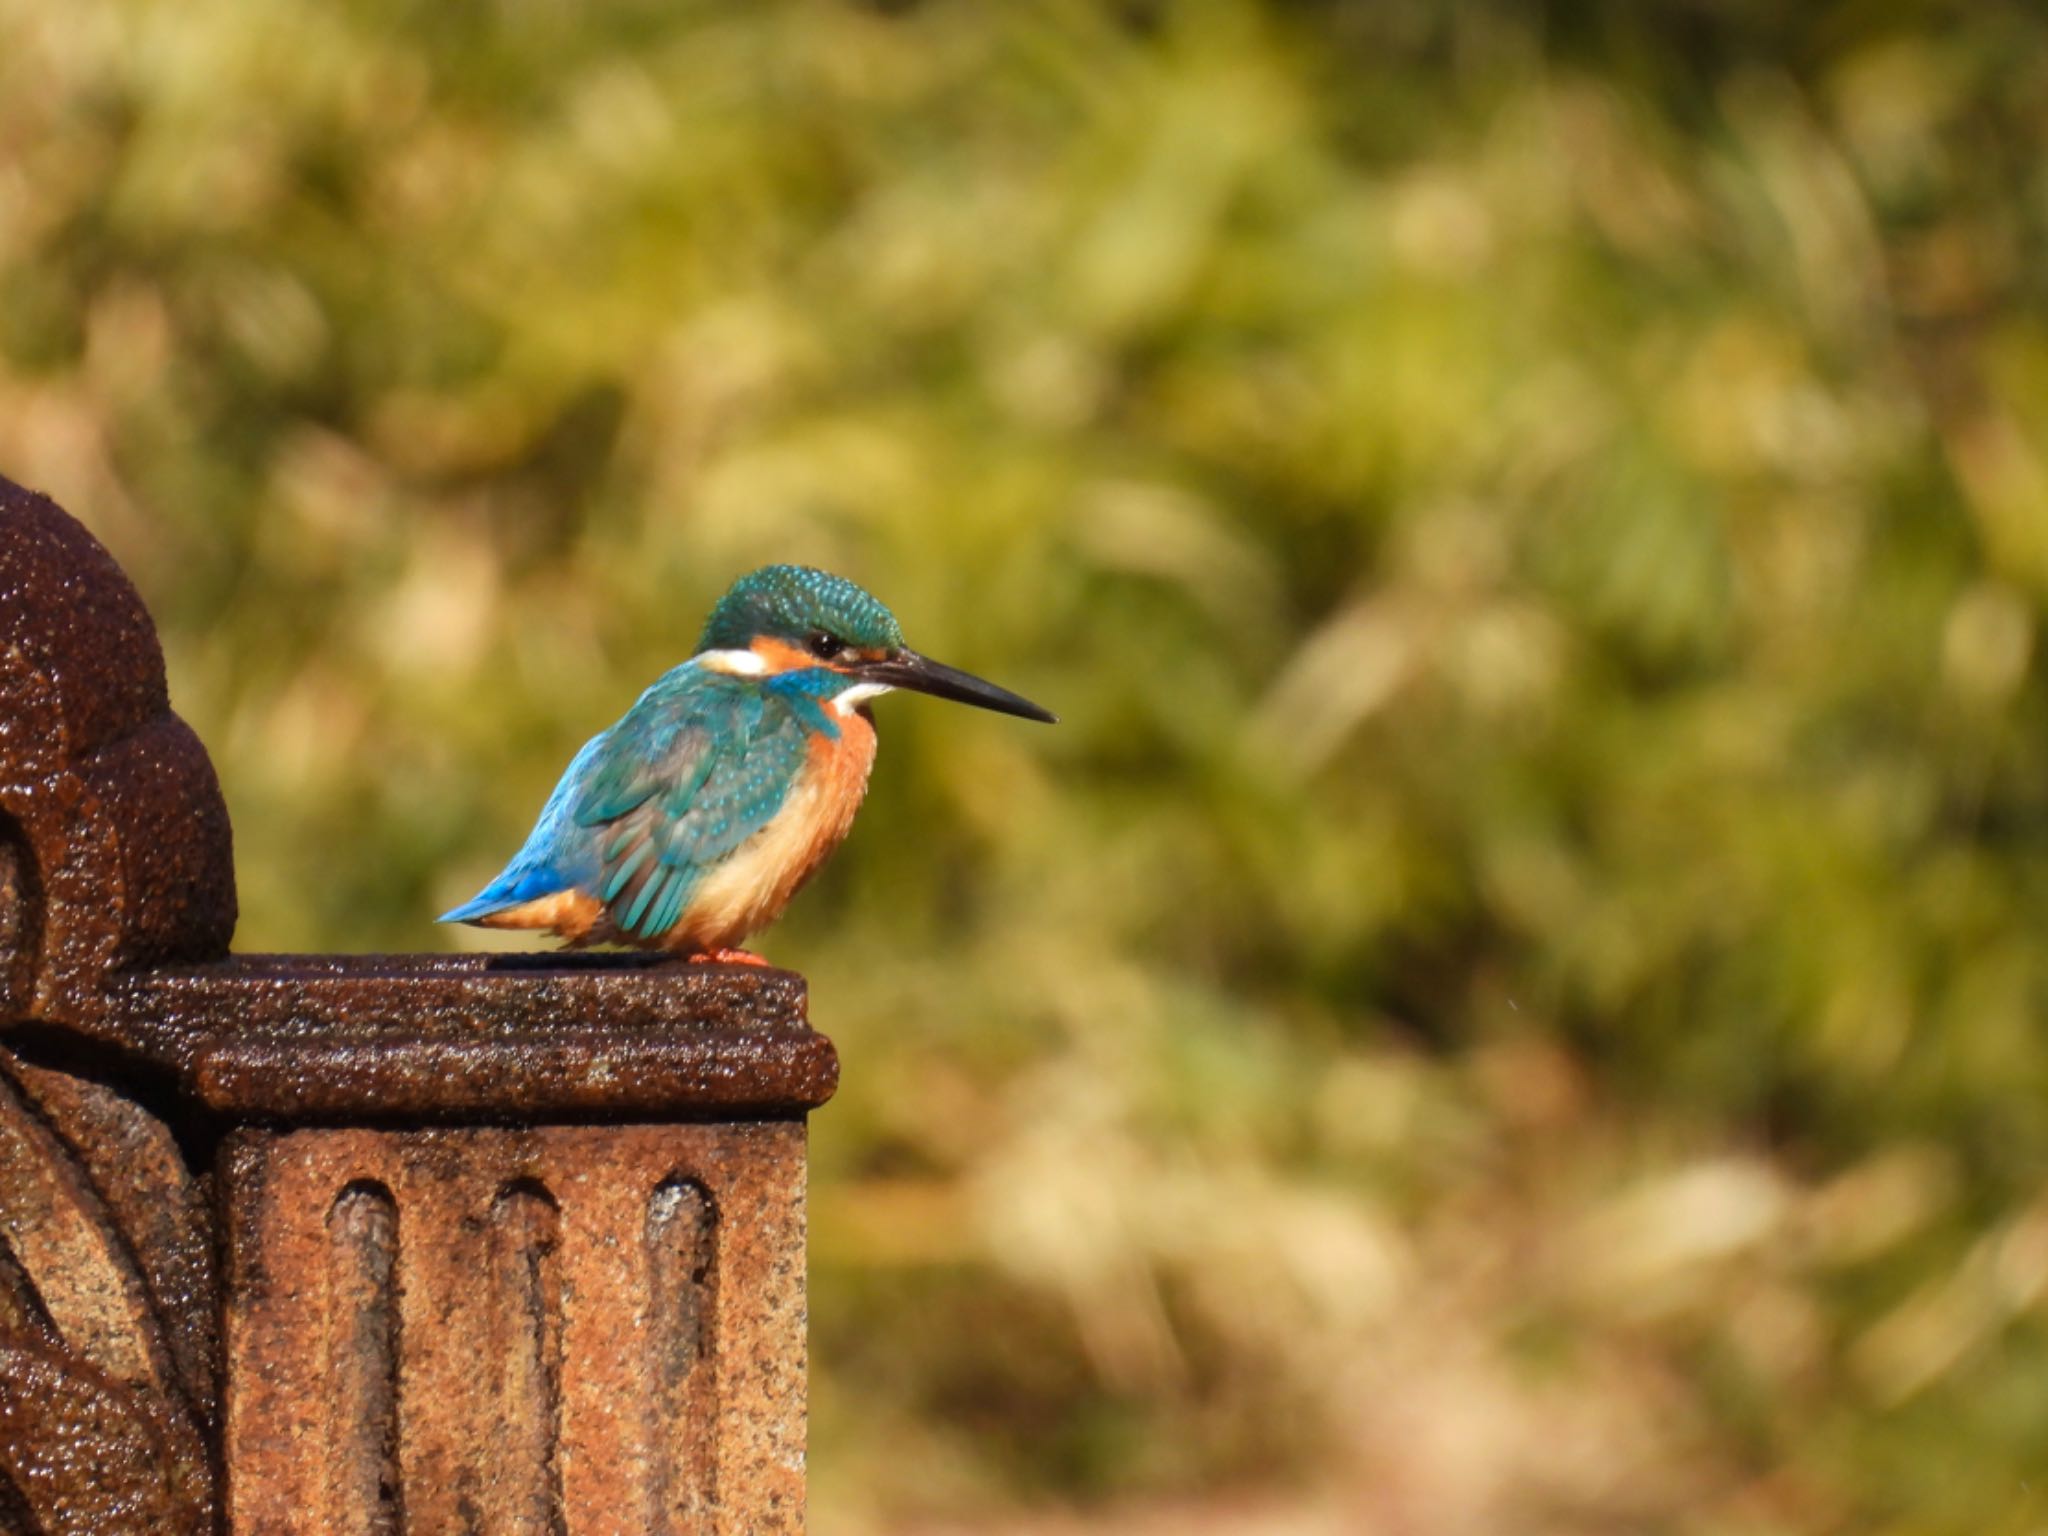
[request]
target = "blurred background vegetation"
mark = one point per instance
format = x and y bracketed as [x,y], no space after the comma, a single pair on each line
[1512,1003]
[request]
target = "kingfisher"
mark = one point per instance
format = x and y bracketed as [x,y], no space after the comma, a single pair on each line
[690,823]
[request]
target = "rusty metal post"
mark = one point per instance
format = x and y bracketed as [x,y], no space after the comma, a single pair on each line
[299,1244]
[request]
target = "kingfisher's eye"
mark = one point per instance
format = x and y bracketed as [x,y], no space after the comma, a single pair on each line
[825,646]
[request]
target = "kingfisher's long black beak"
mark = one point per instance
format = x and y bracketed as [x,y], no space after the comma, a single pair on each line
[920,674]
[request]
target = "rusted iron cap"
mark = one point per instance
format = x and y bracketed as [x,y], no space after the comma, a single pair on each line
[507,1038]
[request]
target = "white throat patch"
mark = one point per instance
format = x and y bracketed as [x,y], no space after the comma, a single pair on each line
[846,702]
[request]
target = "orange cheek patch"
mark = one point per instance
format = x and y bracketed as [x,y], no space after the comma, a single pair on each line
[781,656]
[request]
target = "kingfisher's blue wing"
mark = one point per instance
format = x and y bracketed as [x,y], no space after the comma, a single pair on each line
[690,772]
[684,779]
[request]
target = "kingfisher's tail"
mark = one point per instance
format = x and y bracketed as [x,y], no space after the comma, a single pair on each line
[549,864]
[478,907]
[524,881]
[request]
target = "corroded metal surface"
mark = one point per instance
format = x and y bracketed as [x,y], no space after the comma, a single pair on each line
[568,1328]
[86,1455]
[151,1200]
[511,1244]
[105,1376]
[111,804]
[426,1036]
[114,851]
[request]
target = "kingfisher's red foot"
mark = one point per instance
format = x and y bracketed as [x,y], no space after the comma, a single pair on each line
[727,957]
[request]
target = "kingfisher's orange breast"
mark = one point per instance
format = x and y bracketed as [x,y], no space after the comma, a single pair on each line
[749,890]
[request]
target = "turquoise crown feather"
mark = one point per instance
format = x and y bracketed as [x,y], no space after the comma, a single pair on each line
[791,602]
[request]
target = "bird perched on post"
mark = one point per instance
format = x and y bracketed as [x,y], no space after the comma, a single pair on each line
[691,822]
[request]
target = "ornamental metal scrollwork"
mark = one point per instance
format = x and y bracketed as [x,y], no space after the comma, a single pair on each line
[114,851]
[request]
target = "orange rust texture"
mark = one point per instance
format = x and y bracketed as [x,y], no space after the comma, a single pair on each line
[563,1331]
[101,1410]
[120,852]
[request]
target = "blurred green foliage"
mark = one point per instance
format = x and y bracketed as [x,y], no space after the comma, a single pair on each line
[1512,1002]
